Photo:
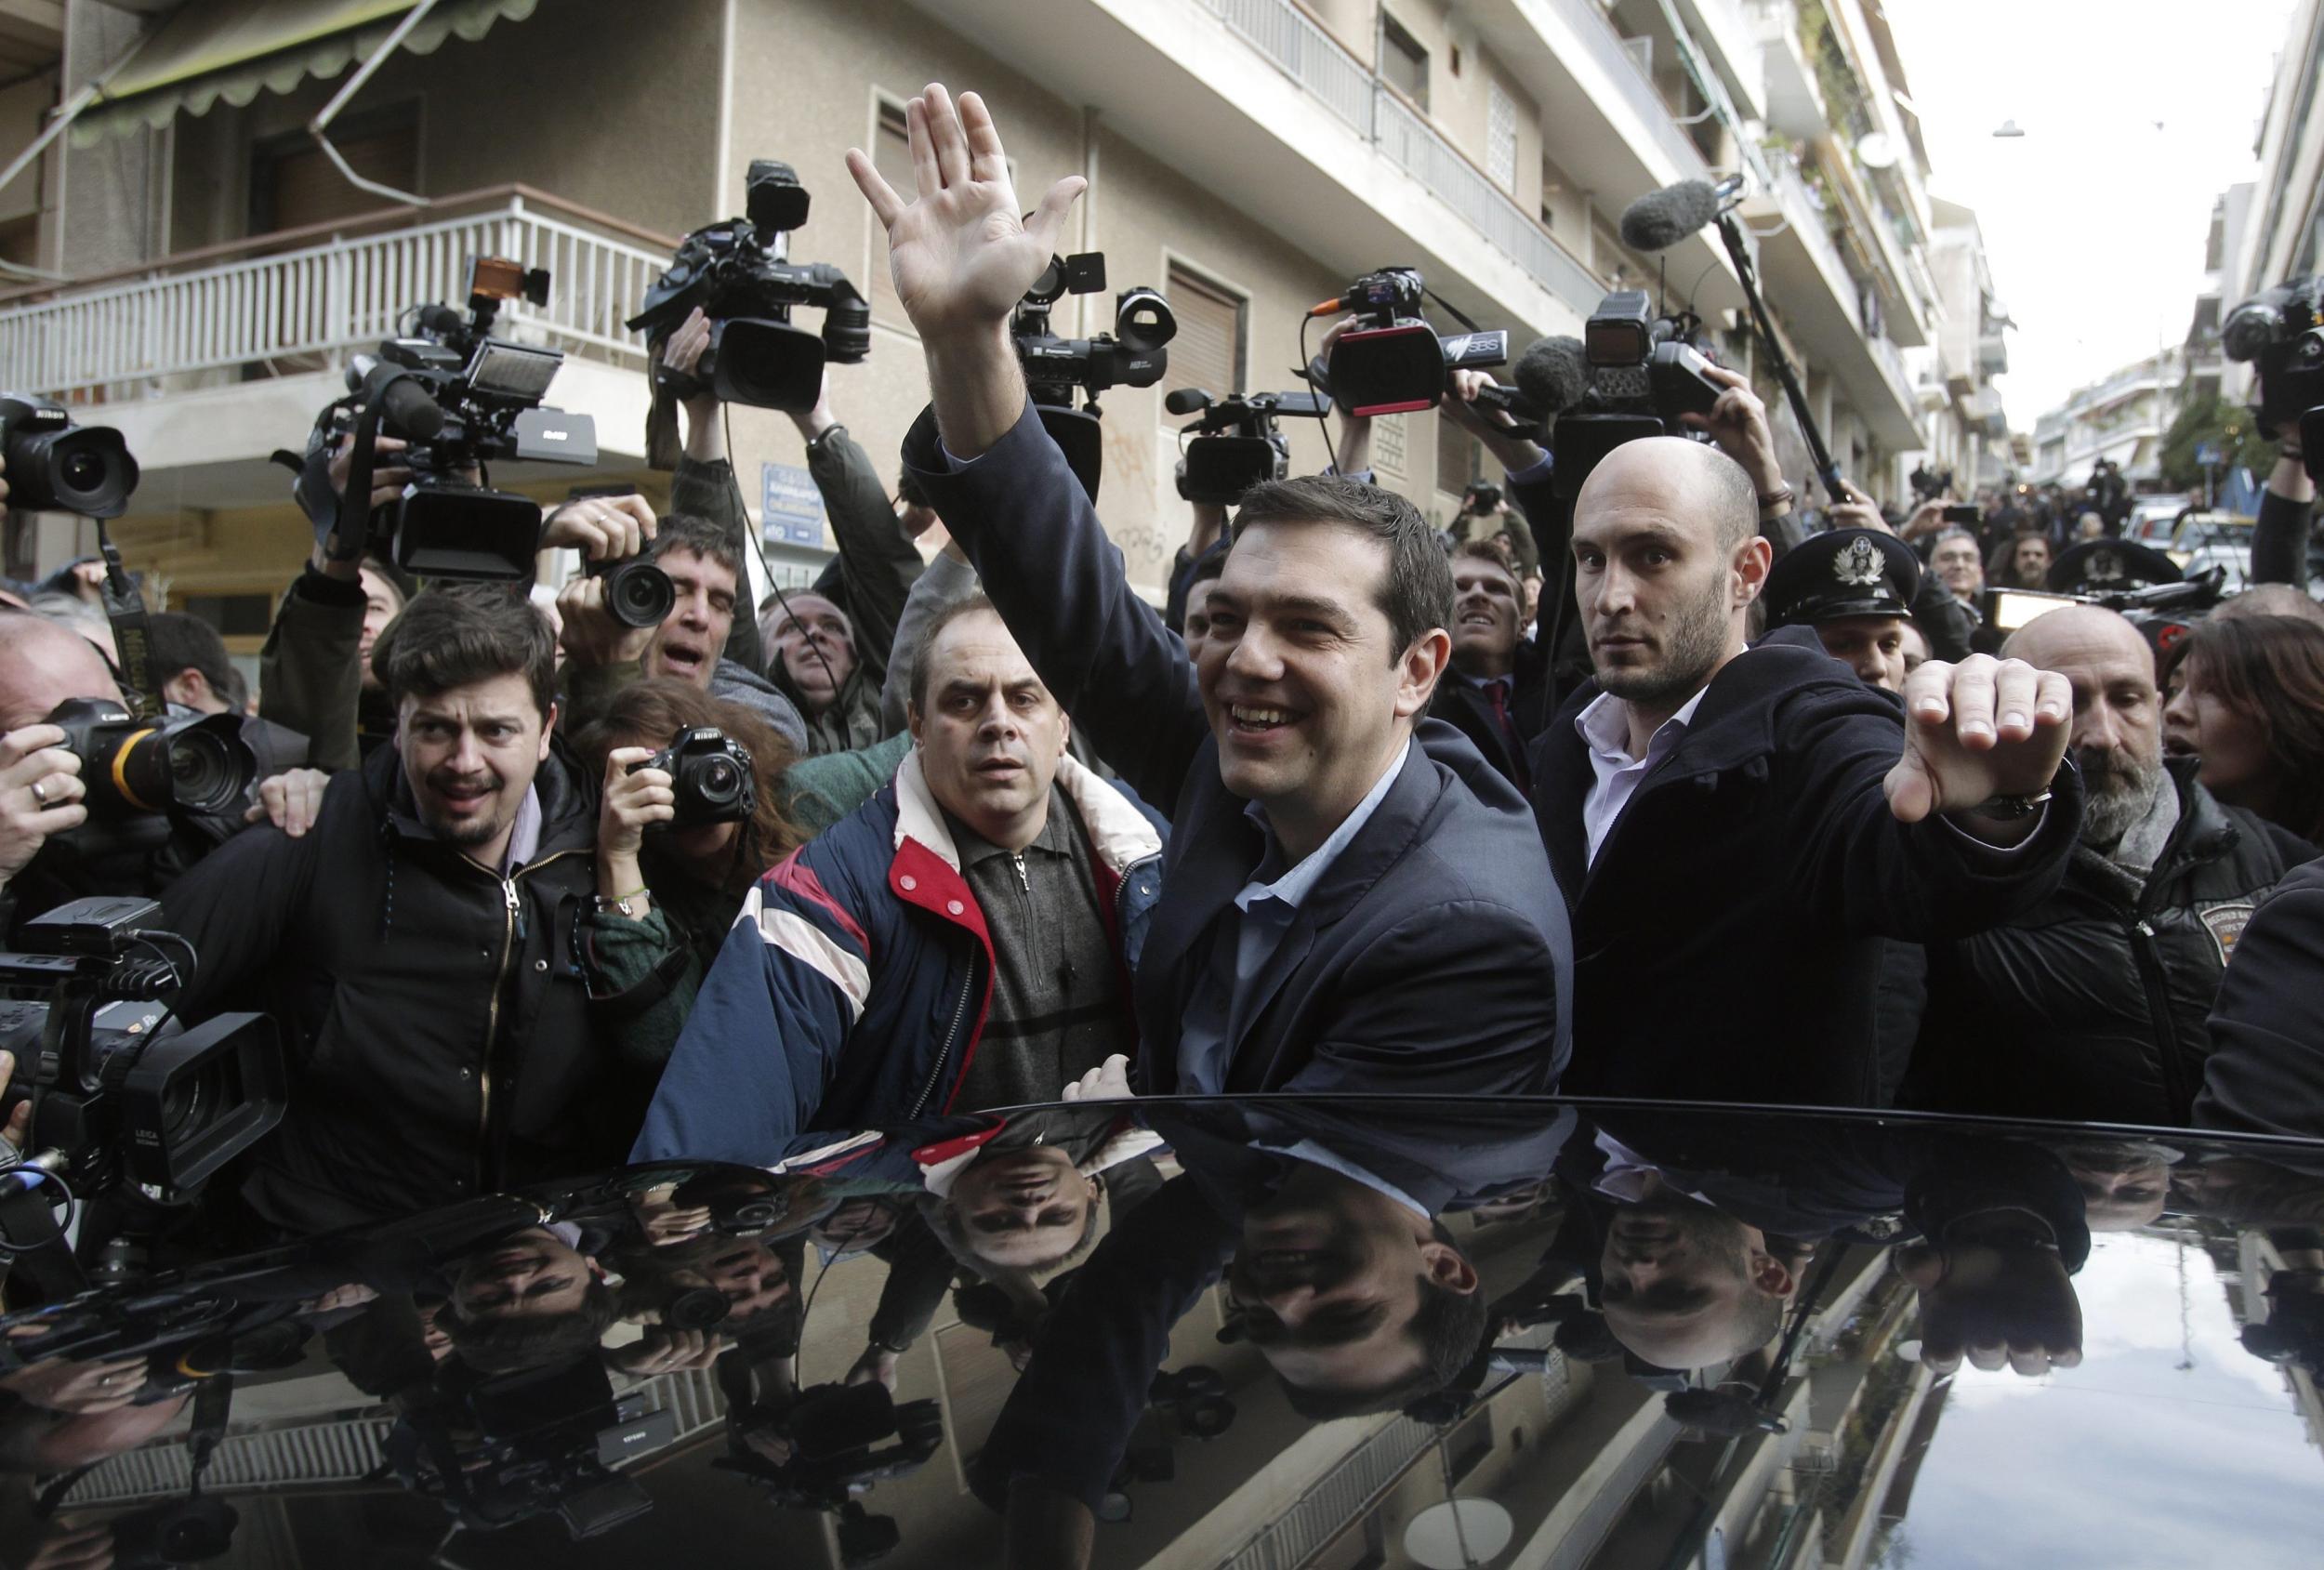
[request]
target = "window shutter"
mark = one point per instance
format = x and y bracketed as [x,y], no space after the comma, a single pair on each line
[1208,351]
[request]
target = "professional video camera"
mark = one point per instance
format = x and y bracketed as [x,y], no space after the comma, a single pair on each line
[2280,332]
[55,466]
[1132,355]
[1395,361]
[119,1088]
[546,1441]
[1237,443]
[1643,373]
[1930,483]
[710,777]
[738,272]
[2164,614]
[460,397]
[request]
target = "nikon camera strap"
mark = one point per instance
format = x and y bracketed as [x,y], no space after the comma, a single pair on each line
[125,608]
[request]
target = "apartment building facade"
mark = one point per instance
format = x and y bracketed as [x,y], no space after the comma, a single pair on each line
[185,260]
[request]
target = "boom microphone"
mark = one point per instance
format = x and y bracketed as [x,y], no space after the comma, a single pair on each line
[1551,375]
[1661,219]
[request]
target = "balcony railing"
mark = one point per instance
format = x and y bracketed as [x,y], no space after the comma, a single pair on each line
[1346,87]
[341,1451]
[119,339]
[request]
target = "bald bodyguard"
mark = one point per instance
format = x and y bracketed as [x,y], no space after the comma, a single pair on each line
[1735,827]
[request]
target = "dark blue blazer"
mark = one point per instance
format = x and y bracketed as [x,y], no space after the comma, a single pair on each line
[1433,959]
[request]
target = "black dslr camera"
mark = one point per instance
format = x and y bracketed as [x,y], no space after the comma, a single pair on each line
[460,397]
[198,766]
[638,593]
[1645,371]
[738,273]
[1237,443]
[1131,355]
[710,776]
[119,1086]
[1396,361]
[2280,333]
[55,466]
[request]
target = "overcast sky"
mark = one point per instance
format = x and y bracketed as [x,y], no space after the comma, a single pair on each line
[2095,219]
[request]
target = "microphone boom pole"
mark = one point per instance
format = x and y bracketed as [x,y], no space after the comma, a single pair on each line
[1827,471]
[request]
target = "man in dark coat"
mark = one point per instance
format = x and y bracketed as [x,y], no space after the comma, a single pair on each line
[1738,827]
[1351,898]
[417,943]
[2090,1004]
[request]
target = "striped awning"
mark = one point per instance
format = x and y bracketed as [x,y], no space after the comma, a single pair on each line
[235,50]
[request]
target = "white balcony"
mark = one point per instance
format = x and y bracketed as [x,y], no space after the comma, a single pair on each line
[1795,101]
[1802,272]
[210,361]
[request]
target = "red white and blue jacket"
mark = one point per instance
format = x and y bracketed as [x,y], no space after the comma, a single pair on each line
[855,983]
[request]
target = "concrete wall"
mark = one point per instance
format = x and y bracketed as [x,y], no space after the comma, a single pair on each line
[24,108]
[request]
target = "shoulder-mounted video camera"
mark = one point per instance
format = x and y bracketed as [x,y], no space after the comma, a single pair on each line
[1056,368]
[1395,361]
[738,271]
[120,1087]
[2280,332]
[1238,442]
[1644,372]
[461,398]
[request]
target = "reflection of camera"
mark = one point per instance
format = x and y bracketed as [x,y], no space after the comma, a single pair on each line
[737,272]
[55,466]
[709,774]
[1481,498]
[543,1441]
[1131,355]
[1237,443]
[114,1079]
[199,765]
[2280,333]
[461,398]
[174,1531]
[1396,361]
[1645,371]
[833,1431]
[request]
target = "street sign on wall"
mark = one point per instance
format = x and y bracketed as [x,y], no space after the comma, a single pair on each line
[790,509]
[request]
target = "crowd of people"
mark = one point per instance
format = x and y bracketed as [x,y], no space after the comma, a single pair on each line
[1608,793]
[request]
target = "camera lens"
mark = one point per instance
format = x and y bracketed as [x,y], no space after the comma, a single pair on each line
[81,470]
[202,776]
[639,594]
[719,780]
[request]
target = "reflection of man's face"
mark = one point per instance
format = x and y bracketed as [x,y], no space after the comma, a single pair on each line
[749,1275]
[1684,1285]
[1022,1208]
[2118,1201]
[1329,1279]
[529,1275]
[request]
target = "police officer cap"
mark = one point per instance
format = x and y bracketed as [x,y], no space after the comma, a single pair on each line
[2109,566]
[1844,573]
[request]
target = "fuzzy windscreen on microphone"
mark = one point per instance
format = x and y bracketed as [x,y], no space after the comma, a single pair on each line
[1661,219]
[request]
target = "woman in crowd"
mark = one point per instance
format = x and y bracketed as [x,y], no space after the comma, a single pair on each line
[669,895]
[2246,697]
[2020,561]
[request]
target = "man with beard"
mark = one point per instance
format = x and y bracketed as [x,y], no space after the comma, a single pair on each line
[1737,828]
[415,945]
[2092,1003]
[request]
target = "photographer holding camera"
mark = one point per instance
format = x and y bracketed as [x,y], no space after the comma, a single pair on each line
[685,828]
[417,943]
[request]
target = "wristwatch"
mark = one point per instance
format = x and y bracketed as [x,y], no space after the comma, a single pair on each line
[2007,809]
[605,906]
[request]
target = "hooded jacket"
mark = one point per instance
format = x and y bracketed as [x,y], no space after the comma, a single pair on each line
[440,1038]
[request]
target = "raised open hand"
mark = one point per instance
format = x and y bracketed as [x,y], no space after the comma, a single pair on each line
[962,253]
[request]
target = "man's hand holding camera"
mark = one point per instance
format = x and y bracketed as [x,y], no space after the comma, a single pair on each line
[40,794]
[1738,422]
[602,529]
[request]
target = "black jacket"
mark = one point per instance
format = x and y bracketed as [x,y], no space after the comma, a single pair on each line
[438,1028]
[2092,1004]
[1434,952]
[1726,940]
[2265,1074]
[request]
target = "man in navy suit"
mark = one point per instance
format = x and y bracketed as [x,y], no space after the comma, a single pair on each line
[1354,898]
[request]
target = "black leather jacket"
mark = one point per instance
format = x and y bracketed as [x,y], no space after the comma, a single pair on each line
[2093,1004]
